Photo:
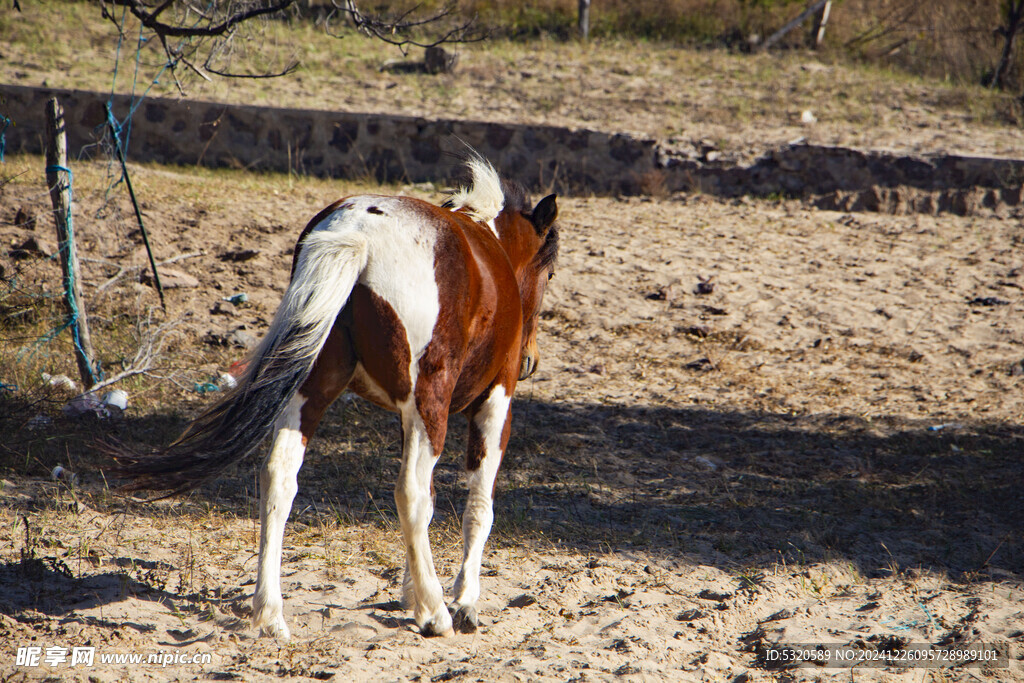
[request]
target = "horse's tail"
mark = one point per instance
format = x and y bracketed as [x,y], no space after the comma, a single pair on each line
[326,269]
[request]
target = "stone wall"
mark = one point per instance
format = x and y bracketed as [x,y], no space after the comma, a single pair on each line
[402,148]
[335,144]
[853,180]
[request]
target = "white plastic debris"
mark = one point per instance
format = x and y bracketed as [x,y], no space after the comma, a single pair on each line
[807,117]
[227,380]
[60,382]
[61,474]
[116,398]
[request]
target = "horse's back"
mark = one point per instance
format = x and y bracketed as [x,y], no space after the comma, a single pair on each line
[435,275]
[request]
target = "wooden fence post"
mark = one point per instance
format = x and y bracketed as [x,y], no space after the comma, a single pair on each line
[58,178]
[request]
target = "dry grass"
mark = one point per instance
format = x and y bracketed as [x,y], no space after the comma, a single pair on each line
[949,39]
[613,83]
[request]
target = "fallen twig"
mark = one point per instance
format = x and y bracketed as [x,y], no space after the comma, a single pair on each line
[124,270]
[151,345]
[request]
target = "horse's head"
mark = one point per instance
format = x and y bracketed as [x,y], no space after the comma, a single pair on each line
[530,237]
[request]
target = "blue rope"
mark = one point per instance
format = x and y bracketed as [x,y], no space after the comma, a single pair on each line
[55,168]
[135,101]
[3,139]
[123,129]
[70,287]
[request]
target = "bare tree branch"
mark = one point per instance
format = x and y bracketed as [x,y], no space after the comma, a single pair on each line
[395,30]
[191,36]
[227,74]
[149,19]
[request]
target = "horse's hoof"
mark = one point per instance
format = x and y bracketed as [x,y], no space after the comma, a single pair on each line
[465,619]
[431,630]
[439,626]
[269,619]
[276,629]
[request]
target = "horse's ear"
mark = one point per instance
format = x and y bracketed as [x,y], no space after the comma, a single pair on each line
[544,214]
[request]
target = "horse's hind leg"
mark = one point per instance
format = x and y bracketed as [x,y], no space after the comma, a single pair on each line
[277,489]
[278,485]
[424,424]
[488,436]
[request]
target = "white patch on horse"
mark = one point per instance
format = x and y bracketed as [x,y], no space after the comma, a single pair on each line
[484,199]
[415,509]
[278,485]
[479,514]
[400,264]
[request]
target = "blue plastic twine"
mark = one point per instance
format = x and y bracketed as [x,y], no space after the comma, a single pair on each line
[3,139]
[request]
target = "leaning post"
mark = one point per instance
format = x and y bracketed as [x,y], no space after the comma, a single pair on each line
[58,179]
[820,22]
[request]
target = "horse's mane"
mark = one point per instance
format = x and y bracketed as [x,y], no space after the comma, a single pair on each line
[489,194]
[484,199]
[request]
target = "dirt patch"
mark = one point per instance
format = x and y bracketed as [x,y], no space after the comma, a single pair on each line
[754,422]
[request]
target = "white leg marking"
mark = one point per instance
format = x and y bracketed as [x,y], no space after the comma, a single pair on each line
[415,508]
[479,514]
[408,589]
[277,490]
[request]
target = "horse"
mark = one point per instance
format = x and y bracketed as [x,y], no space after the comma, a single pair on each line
[421,309]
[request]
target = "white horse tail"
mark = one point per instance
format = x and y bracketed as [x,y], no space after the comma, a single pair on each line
[327,267]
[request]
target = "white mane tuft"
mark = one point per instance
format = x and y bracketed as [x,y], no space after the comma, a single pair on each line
[484,199]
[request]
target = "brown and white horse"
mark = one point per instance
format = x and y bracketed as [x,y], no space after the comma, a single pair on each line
[423,310]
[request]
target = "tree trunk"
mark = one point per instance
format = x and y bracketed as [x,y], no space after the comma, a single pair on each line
[1014,17]
[584,19]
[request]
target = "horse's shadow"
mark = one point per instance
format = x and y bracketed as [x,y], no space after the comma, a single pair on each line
[718,487]
[708,486]
[736,488]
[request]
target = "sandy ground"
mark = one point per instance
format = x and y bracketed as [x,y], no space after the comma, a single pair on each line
[823,448]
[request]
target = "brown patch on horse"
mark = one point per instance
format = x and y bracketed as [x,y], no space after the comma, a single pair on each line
[379,342]
[475,447]
[457,276]
[375,211]
[331,373]
[492,320]
[475,450]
